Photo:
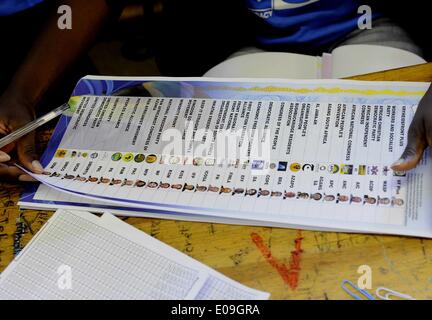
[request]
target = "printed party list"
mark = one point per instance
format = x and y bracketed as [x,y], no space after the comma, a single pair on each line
[306,162]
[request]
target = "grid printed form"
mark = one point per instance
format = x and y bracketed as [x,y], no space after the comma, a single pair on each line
[219,289]
[103,265]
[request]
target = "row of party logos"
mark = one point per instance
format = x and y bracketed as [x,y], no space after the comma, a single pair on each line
[258,192]
[346,169]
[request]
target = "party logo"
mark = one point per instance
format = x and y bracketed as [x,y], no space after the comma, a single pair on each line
[282,166]
[295,167]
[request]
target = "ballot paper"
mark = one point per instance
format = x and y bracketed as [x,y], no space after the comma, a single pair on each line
[78,255]
[305,154]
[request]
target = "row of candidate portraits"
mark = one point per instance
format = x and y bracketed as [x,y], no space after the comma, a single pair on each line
[248,192]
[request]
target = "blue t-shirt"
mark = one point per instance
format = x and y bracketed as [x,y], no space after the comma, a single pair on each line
[312,23]
[8,7]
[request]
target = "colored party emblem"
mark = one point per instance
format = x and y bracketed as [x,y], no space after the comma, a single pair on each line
[128,157]
[198,161]
[295,167]
[210,162]
[257,164]
[282,166]
[60,153]
[361,171]
[139,158]
[322,167]
[333,168]
[346,169]
[308,167]
[151,158]
[116,156]
[372,170]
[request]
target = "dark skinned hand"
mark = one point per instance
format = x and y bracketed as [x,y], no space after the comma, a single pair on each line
[419,135]
[14,114]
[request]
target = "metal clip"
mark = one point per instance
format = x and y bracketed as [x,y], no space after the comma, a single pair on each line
[351,291]
[389,292]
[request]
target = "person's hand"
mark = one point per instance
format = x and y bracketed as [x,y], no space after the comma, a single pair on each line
[15,113]
[419,135]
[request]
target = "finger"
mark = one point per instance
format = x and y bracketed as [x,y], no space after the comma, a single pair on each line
[414,150]
[4,129]
[27,153]
[26,178]
[9,148]
[9,172]
[4,157]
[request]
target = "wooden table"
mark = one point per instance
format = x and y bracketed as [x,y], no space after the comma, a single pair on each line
[290,264]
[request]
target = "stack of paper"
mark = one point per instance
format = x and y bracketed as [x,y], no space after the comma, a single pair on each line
[78,255]
[344,61]
[302,154]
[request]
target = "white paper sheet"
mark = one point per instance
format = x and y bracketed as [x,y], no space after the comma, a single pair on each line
[78,255]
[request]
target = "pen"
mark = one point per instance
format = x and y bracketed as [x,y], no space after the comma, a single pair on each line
[29,127]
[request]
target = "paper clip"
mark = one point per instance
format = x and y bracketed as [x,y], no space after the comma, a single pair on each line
[345,286]
[389,292]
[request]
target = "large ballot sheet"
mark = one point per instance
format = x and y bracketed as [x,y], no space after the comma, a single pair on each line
[307,154]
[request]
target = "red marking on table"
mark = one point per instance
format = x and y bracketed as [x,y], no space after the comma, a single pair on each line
[289,274]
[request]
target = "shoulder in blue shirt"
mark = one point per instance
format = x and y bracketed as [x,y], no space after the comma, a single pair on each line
[313,23]
[9,7]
